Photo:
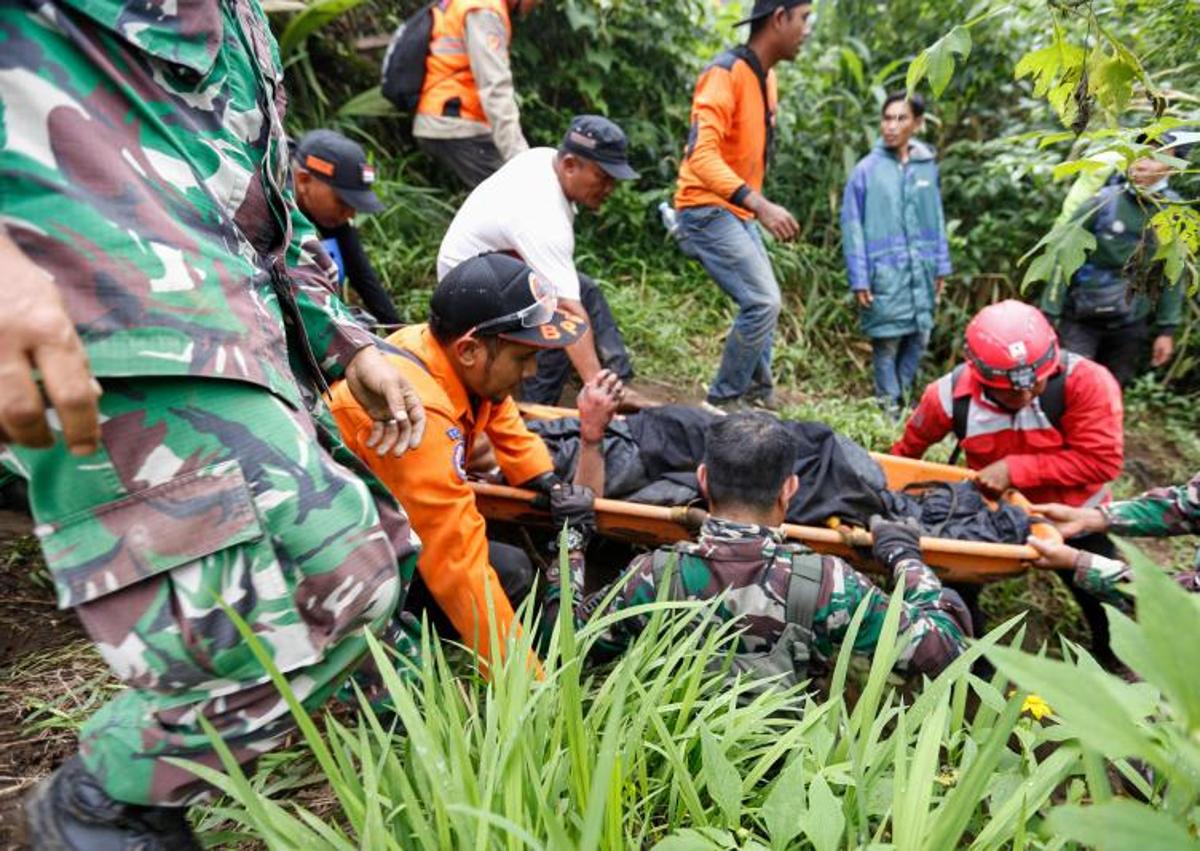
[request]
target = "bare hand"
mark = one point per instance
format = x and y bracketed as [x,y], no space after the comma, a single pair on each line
[1163,348]
[994,479]
[598,402]
[778,221]
[389,399]
[865,298]
[37,334]
[1071,522]
[939,286]
[1053,555]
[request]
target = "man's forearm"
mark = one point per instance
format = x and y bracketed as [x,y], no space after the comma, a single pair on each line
[582,352]
[589,471]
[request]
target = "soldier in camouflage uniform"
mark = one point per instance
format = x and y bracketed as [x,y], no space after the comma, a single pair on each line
[1158,513]
[741,558]
[163,292]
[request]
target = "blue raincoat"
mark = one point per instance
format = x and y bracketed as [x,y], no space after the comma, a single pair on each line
[894,238]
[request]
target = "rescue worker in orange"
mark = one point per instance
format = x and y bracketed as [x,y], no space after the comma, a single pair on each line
[467,117]
[489,317]
[720,199]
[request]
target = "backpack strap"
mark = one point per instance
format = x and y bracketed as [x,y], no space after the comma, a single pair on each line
[658,563]
[960,409]
[1054,398]
[804,588]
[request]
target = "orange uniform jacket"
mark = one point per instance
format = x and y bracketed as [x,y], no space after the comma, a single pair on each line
[430,481]
[449,87]
[729,144]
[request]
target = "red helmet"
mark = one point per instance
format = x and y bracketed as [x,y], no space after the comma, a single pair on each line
[1010,345]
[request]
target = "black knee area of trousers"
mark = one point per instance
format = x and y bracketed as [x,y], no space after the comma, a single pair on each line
[553,365]
[1093,611]
[513,568]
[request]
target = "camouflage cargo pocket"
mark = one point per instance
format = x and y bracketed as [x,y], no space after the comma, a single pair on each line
[146,574]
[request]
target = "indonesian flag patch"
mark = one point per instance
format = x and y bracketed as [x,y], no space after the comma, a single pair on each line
[368,174]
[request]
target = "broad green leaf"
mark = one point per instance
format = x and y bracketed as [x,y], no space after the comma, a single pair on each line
[1081,699]
[316,15]
[1121,826]
[826,822]
[724,783]
[1111,78]
[784,809]
[937,61]
[1169,617]
[367,104]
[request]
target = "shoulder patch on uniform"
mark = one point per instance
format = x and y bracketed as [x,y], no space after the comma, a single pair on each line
[454,433]
[458,457]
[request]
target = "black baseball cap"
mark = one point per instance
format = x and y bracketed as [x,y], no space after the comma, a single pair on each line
[762,8]
[497,295]
[342,163]
[595,138]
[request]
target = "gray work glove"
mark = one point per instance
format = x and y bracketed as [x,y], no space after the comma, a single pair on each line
[573,505]
[895,541]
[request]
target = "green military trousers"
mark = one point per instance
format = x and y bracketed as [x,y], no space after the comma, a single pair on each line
[205,489]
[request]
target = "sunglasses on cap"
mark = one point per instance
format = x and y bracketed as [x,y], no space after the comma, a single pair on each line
[1022,377]
[540,312]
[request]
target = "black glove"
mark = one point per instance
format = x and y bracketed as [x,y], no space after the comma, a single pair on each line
[542,485]
[573,505]
[895,541]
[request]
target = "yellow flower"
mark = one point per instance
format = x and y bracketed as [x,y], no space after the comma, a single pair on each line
[1036,707]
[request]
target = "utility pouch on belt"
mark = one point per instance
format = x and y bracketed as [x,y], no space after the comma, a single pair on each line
[1099,295]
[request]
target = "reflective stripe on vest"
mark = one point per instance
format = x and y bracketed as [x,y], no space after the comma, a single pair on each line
[450,88]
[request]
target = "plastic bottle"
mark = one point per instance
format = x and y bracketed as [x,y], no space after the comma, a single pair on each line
[670,218]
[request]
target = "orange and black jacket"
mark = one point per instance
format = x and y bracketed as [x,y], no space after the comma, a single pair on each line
[431,481]
[733,125]
[450,88]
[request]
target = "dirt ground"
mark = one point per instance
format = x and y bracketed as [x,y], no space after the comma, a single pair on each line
[51,679]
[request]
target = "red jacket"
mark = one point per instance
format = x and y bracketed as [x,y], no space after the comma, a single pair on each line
[1072,466]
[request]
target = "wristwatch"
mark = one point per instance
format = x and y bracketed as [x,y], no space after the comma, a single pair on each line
[575,539]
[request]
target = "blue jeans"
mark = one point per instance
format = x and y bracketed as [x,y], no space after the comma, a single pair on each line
[895,361]
[732,252]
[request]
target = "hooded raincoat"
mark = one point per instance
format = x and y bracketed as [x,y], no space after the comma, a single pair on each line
[894,238]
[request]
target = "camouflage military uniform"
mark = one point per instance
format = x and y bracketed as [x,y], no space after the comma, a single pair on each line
[750,568]
[142,160]
[1157,513]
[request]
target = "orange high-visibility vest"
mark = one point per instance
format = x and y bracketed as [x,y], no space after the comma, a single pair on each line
[449,84]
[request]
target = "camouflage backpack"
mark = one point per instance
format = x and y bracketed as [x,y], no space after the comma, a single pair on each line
[787,661]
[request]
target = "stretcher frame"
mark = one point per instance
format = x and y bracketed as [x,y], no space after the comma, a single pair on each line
[652,525]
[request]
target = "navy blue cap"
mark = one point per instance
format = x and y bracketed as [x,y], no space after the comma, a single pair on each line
[762,8]
[342,163]
[595,138]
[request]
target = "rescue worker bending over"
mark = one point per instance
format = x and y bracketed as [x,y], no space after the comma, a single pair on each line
[488,319]
[467,117]
[333,183]
[740,556]
[1028,416]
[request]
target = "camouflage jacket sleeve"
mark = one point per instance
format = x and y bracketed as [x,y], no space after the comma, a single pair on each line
[1103,578]
[634,587]
[1158,513]
[933,624]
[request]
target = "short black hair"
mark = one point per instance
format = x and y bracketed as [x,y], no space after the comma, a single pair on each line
[916,103]
[749,456]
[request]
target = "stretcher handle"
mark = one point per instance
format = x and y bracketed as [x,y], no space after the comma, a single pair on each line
[823,538]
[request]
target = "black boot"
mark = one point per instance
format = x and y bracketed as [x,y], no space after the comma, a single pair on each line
[69,811]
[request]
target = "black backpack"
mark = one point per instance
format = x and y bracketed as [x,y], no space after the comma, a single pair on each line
[404,62]
[1053,402]
[786,663]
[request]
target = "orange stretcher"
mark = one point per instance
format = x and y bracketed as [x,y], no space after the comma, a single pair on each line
[651,525]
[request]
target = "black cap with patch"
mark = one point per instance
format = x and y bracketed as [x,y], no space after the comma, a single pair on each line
[497,295]
[595,138]
[762,8]
[342,163]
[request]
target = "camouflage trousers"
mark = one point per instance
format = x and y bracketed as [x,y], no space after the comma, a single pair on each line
[207,490]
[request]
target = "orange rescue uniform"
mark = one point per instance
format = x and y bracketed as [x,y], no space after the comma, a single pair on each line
[449,87]
[431,482]
[733,122]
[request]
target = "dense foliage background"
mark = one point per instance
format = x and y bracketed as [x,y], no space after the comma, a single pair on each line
[637,61]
